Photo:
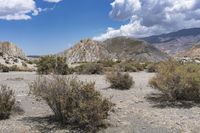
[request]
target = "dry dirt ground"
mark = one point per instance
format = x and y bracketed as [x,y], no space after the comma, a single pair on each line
[138,110]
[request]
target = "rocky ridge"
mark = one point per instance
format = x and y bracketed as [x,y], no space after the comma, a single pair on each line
[175,42]
[11,55]
[119,48]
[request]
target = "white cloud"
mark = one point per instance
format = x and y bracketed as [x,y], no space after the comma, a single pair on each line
[149,17]
[20,9]
[53,1]
[17,9]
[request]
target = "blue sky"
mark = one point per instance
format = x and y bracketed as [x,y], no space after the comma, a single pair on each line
[55,30]
[50,26]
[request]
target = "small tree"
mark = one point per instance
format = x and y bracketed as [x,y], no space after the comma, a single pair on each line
[52,64]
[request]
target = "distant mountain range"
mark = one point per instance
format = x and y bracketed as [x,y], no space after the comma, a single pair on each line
[175,42]
[119,48]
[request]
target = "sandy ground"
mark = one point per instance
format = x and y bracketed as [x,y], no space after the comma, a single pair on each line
[138,110]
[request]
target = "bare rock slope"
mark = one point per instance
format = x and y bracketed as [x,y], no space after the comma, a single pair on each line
[194,52]
[175,42]
[11,55]
[119,48]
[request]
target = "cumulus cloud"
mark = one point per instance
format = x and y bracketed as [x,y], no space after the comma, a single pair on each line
[17,9]
[20,9]
[150,17]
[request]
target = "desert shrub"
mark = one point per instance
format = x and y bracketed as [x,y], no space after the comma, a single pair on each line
[152,67]
[14,68]
[140,66]
[5,69]
[24,64]
[107,63]
[119,80]
[72,101]
[178,81]
[16,60]
[7,102]
[126,67]
[89,68]
[52,64]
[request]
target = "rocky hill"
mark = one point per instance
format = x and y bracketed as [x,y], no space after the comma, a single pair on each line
[123,48]
[119,48]
[10,49]
[194,52]
[175,42]
[86,51]
[12,56]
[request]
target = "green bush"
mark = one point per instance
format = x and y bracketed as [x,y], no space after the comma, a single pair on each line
[119,80]
[126,67]
[89,68]
[7,102]
[52,64]
[178,81]
[140,66]
[107,63]
[72,101]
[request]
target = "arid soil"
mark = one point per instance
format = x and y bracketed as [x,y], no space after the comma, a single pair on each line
[138,110]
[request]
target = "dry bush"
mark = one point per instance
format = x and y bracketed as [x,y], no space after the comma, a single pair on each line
[14,68]
[52,64]
[140,66]
[178,81]
[107,63]
[7,102]
[119,80]
[73,102]
[89,68]
[126,67]
[5,69]
[152,67]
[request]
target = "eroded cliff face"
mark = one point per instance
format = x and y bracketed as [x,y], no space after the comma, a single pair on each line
[86,51]
[9,49]
[12,56]
[119,48]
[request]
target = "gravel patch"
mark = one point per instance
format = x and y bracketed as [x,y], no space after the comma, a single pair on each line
[137,110]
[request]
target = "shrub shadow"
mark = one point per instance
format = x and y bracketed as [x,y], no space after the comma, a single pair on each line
[48,124]
[160,100]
